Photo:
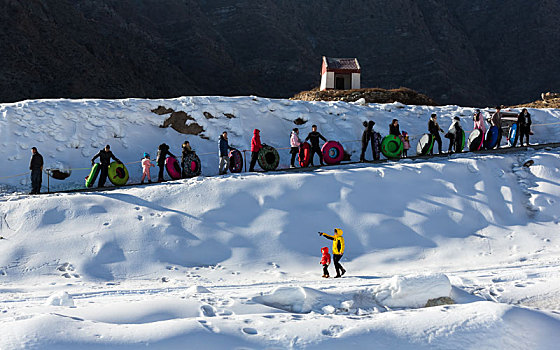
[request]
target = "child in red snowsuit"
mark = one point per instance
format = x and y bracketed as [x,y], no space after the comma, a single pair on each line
[325,261]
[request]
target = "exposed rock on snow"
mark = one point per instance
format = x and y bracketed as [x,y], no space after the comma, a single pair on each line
[412,291]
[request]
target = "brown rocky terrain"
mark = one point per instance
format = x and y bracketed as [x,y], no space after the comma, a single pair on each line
[375,95]
[469,52]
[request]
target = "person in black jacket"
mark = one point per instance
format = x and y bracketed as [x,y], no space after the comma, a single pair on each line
[313,138]
[105,156]
[36,167]
[394,128]
[186,151]
[434,129]
[163,152]
[523,127]
[367,137]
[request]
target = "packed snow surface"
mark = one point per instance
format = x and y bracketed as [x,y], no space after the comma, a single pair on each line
[233,261]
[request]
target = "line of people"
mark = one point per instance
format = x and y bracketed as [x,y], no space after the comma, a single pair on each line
[369,138]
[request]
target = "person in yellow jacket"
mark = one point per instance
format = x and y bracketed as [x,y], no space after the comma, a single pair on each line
[338,250]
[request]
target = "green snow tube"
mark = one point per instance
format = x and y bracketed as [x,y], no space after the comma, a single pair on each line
[425,144]
[392,146]
[90,179]
[268,158]
[463,140]
[117,174]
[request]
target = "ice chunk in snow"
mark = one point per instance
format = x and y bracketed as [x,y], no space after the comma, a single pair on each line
[60,299]
[292,299]
[413,290]
[197,289]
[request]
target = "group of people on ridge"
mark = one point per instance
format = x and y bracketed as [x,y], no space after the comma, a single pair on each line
[369,137]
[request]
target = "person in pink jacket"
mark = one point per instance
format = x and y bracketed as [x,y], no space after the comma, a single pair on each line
[146,165]
[295,142]
[478,119]
[255,148]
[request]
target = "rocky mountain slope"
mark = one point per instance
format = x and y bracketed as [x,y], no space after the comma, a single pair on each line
[473,52]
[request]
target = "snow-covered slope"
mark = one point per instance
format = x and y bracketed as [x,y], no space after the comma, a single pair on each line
[233,261]
[70,132]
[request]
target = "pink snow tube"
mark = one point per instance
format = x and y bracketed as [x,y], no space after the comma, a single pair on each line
[173,168]
[333,152]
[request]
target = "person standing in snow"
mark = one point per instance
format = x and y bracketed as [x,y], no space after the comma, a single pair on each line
[186,150]
[36,167]
[223,147]
[325,261]
[105,155]
[163,152]
[406,143]
[367,137]
[479,123]
[454,135]
[295,142]
[255,148]
[523,127]
[497,121]
[313,138]
[434,130]
[146,165]
[394,128]
[338,250]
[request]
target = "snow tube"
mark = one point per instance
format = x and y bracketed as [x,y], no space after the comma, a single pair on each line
[392,146]
[475,140]
[58,174]
[235,161]
[491,139]
[268,158]
[333,152]
[512,134]
[463,137]
[173,168]
[425,144]
[192,166]
[117,173]
[90,179]
[304,154]
[376,144]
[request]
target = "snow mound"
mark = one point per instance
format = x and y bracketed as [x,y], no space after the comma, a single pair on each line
[413,290]
[292,299]
[60,299]
[197,290]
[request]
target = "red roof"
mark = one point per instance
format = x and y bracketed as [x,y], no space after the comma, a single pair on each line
[349,65]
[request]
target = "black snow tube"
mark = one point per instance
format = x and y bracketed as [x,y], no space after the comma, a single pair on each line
[235,161]
[192,166]
[268,158]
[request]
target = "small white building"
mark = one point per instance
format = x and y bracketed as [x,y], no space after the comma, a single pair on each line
[340,73]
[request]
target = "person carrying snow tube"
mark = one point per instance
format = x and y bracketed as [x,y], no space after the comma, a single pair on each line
[392,146]
[223,148]
[105,155]
[313,138]
[333,152]
[338,250]
[497,121]
[456,136]
[434,130]
[295,142]
[522,128]
[255,148]
[268,158]
[162,154]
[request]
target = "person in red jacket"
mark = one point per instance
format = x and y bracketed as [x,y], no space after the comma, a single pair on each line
[325,261]
[255,148]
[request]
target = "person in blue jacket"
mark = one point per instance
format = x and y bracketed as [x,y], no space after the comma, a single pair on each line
[224,148]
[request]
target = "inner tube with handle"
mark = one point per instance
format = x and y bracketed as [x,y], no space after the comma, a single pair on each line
[173,168]
[235,161]
[333,152]
[192,166]
[268,158]
[392,146]
[304,154]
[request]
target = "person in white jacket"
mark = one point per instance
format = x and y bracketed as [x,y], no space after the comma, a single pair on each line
[454,134]
[295,142]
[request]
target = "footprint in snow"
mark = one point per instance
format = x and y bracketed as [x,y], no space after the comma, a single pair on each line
[207,311]
[140,217]
[249,330]
[333,331]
